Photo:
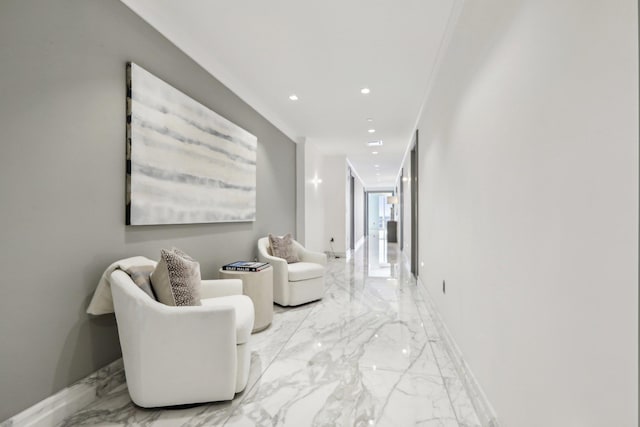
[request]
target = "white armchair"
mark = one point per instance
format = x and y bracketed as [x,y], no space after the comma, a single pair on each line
[181,355]
[297,283]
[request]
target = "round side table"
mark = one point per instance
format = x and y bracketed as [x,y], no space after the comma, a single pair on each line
[257,285]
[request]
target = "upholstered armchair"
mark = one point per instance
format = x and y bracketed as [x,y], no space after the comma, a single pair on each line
[299,282]
[189,354]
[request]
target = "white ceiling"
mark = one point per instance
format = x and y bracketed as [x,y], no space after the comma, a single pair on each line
[324,52]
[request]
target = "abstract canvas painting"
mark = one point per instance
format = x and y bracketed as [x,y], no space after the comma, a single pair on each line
[185,163]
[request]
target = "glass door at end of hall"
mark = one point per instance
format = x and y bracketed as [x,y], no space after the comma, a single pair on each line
[378,213]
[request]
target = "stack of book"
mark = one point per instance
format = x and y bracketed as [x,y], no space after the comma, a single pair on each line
[245,266]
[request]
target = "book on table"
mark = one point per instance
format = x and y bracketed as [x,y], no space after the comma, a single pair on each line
[253,266]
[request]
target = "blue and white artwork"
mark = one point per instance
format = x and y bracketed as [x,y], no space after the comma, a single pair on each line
[185,163]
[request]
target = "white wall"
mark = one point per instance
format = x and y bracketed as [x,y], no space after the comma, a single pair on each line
[358,210]
[335,203]
[323,209]
[310,196]
[529,206]
[301,190]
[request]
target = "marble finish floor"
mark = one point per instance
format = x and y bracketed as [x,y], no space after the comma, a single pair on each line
[367,354]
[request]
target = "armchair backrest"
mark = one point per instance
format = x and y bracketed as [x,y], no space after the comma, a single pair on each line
[263,246]
[125,285]
[280,270]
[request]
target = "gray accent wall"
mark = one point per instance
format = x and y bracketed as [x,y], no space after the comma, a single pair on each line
[62,183]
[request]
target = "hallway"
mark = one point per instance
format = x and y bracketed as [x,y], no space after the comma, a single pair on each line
[367,354]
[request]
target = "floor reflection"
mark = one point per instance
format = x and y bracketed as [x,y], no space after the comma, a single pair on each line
[377,255]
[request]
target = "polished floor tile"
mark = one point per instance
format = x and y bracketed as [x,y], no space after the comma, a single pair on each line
[367,354]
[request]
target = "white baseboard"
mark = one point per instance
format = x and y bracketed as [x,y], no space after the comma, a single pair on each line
[407,261]
[484,410]
[331,255]
[351,252]
[359,243]
[54,409]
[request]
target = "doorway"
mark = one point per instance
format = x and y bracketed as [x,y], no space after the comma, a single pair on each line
[414,206]
[378,213]
[401,209]
[352,207]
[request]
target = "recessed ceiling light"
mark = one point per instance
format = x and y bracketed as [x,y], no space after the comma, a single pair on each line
[376,166]
[293,97]
[365,90]
[376,143]
[369,119]
[378,174]
[371,131]
[374,152]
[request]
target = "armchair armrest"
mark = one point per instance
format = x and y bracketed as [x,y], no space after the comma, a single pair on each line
[311,256]
[220,288]
[280,270]
[279,266]
[273,260]
[202,335]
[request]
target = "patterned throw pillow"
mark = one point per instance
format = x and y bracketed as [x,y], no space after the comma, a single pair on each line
[282,247]
[176,279]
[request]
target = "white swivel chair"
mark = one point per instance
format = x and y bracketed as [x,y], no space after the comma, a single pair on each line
[182,355]
[297,283]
